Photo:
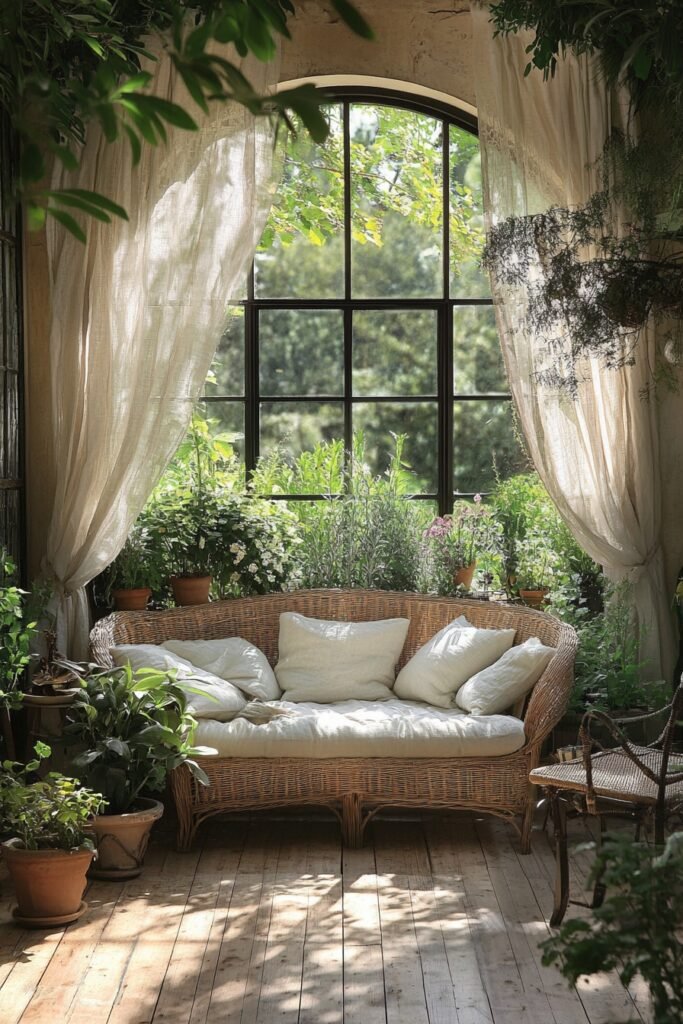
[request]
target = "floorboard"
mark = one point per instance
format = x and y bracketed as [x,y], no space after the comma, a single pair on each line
[433,921]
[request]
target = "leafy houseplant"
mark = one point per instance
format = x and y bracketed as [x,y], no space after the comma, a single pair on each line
[637,929]
[134,730]
[134,574]
[15,637]
[534,570]
[51,847]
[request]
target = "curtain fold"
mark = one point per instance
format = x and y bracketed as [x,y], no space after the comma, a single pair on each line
[137,314]
[597,454]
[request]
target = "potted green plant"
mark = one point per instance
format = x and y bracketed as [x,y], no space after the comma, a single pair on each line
[134,573]
[534,570]
[453,542]
[50,848]
[16,634]
[132,729]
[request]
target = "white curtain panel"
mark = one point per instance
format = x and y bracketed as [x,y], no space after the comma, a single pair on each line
[597,454]
[137,314]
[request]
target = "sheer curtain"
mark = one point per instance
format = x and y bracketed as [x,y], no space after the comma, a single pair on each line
[598,454]
[137,314]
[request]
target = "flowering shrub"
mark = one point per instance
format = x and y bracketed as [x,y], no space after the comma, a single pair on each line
[253,547]
[455,541]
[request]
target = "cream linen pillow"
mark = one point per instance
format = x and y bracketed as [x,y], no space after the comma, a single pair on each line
[497,687]
[216,698]
[445,662]
[233,659]
[325,661]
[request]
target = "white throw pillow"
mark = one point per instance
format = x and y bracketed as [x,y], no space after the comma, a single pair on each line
[445,662]
[326,661]
[233,659]
[216,698]
[498,687]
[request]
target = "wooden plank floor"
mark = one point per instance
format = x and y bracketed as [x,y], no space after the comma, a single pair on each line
[434,921]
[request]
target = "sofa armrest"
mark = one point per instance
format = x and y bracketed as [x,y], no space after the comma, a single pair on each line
[550,696]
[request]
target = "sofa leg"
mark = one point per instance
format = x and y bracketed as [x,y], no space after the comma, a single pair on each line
[352,820]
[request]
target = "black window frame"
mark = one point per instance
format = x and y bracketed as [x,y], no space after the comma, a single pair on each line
[446,396]
[12,535]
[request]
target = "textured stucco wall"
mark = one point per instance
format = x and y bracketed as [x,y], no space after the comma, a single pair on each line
[418,42]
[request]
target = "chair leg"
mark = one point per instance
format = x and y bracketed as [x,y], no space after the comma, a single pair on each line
[352,820]
[561,894]
[527,823]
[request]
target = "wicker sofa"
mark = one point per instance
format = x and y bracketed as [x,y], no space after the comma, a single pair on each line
[356,788]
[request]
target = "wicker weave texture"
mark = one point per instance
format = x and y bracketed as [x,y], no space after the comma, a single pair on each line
[498,784]
[615,776]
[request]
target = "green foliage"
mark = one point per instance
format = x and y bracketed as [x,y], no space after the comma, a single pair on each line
[641,42]
[131,729]
[67,64]
[396,173]
[49,814]
[600,289]
[137,565]
[16,634]
[637,930]
[367,537]
[608,672]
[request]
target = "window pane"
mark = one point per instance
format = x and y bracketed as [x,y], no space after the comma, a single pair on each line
[466,225]
[396,203]
[477,358]
[226,376]
[10,532]
[301,352]
[486,444]
[394,353]
[228,418]
[301,251]
[418,420]
[297,427]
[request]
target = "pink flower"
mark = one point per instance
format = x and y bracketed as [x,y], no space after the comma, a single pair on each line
[477,499]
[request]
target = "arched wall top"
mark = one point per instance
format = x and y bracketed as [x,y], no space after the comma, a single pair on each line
[394,87]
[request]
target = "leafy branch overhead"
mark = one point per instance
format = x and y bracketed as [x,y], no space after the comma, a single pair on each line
[66,64]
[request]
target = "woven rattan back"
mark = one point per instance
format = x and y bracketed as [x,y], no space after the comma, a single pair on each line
[257,619]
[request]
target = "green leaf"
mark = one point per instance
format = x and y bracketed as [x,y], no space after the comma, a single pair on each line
[172,113]
[95,199]
[31,164]
[353,18]
[67,221]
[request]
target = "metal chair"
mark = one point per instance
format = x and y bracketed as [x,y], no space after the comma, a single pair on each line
[639,782]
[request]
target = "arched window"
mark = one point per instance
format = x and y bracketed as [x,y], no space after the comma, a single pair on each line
[366,309]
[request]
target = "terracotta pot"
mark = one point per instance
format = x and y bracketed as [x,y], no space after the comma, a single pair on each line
[191,589]
[122,839]
[131,600]
[463,577]
[49,884]
[534,598]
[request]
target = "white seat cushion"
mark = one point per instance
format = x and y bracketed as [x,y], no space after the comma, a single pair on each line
[327,661]
[355,728]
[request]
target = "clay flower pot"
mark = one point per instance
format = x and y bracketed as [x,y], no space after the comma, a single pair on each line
[49,884]
[122,839]
[463,577]
[191,589]
[131,600]
[534,598]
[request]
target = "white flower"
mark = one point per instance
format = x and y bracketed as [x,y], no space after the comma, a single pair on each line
[252,568]
[235,577]
[234,548]
[238,557]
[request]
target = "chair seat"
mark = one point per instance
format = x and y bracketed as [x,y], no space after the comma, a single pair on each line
[614,776]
